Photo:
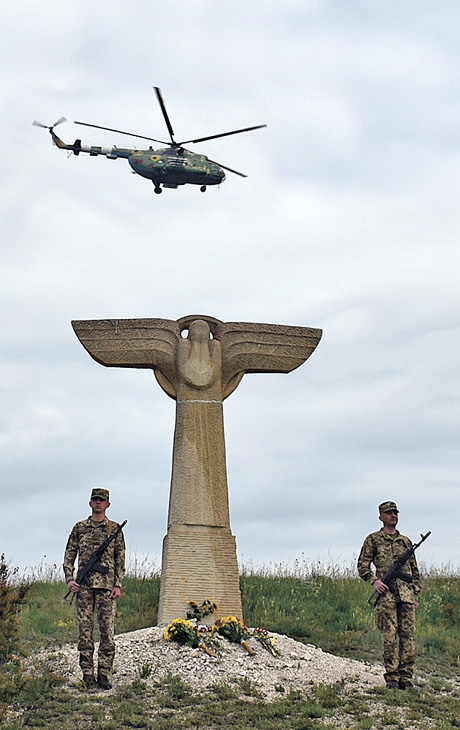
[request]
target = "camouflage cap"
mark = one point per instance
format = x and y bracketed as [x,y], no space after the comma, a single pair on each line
[102,493]
[388,507]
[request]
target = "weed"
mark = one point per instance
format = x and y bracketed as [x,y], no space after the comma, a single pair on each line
[145,670]
[223,692]
[328,694]
[247,687]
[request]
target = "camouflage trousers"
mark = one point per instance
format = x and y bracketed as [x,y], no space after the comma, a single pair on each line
[397,621]
[89,602]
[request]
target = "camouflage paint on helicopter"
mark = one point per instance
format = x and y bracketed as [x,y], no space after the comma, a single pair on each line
[167,167]
[172,167]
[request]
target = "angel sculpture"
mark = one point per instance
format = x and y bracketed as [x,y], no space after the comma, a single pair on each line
[199,371]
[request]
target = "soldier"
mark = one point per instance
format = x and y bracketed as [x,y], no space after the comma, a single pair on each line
[396,607]
[86,536]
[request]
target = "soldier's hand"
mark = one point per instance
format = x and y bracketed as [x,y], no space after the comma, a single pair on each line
[379,586]
[73,586]
[115,592]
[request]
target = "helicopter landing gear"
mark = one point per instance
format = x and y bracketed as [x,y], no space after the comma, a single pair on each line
[203,188]
[157,189]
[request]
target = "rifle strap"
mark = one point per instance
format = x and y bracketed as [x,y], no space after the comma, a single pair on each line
[109,531]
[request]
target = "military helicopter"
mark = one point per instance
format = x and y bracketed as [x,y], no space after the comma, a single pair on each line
[167,167]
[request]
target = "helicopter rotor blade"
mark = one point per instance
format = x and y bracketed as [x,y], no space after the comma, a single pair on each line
[165,113]
[60,121]
[235,172]
[223,134]
[120,131]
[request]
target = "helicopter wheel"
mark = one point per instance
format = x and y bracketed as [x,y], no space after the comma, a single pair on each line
[203,188]
[158,190]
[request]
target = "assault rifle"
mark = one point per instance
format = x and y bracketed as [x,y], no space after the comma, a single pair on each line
[93,565]
[396,571]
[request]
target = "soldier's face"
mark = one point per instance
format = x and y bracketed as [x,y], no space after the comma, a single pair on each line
[99,505]
[389,519]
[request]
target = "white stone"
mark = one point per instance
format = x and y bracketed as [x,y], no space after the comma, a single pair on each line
[136,649]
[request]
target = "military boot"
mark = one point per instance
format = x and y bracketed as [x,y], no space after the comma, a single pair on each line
[405,684]
[392,684]
[103,681]
[89,681]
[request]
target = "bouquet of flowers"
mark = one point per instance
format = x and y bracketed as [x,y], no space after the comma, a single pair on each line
[186,633]
[268,641]
[234,630]
[199,612]
[207,635]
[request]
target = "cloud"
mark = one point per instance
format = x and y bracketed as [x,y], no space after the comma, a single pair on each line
[346,222]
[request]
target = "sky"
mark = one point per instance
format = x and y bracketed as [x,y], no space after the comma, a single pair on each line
[347,222]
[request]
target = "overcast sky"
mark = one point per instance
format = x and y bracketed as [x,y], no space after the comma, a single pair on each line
[348,222]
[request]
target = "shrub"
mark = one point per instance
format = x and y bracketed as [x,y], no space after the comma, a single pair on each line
[12,597]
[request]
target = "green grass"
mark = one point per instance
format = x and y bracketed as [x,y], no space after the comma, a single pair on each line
[328,610]
[170,705]
[333,613]
[46,620]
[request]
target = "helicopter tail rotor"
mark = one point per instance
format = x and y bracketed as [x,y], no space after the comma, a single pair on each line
[46,126]
[50,129]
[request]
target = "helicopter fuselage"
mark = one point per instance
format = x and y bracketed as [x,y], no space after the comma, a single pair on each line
[172,166]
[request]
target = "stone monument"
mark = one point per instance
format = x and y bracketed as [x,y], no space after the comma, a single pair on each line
[198,371]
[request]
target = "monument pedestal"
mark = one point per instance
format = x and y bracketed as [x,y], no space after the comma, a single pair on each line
[199,562]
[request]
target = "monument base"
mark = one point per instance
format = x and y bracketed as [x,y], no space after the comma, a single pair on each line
[199,562]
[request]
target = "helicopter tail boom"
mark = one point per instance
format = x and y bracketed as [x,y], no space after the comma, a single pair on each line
[58,141]
[93,150]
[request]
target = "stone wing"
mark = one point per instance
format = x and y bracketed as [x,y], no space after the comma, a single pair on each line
[248,347]
[131,343]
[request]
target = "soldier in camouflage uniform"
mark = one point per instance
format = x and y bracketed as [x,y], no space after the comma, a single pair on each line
[396,607]
[85,538]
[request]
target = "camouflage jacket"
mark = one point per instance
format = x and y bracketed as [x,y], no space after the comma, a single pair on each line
[85,538]
[382,550]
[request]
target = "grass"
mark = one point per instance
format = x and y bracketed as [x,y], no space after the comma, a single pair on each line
[170,705]
[46,620]
[332,612]
[325,607]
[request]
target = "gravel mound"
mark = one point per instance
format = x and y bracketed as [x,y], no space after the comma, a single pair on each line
[146,654]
